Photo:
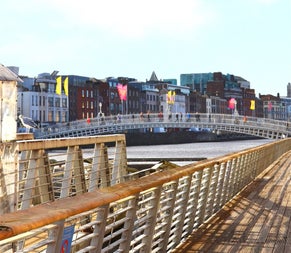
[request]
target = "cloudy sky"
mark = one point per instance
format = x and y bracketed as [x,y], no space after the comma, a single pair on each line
[248,38]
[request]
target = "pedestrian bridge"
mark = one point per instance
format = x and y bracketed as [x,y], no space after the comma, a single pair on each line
[77,195]
[260,127]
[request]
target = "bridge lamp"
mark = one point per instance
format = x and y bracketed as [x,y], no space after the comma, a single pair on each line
[100,110]
[235,107]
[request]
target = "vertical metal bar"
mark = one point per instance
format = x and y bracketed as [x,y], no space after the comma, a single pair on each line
[194,198]
[212,191]
[182,209]
[68,170]
[151,221]
[30,180]
[219,192]
[96,167]
[119,164]
[99,228]
[237,175]
[203,196]
[79,171]
[230,180]
[171,195]
[129,224]
[9,177]
[105,169]
[44,181]
[57,237]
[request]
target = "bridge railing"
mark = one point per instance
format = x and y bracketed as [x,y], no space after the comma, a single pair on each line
[153,213]
[109,124]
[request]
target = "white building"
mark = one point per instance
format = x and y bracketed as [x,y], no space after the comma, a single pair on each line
[37,99]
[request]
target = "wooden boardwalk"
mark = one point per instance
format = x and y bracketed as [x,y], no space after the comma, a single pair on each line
[258,219]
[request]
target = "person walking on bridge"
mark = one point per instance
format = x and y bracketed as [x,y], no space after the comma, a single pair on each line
[148,115]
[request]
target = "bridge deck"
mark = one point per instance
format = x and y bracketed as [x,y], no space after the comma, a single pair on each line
[256,220]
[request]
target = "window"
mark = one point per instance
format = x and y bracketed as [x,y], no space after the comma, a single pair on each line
[50,102]
[64,102]
[57,102]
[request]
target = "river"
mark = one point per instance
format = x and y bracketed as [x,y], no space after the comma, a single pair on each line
[190,150]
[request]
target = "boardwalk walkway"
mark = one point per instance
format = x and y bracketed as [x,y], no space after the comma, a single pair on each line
[256,220]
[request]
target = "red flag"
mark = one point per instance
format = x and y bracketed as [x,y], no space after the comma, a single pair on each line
[122,91]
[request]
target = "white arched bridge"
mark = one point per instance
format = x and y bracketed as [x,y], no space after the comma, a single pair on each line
[260,127]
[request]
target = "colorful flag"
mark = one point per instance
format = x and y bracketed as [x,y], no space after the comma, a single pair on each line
[253,105]
[231,103]
[171,97]
[122,91]
[59,85]
[66,86]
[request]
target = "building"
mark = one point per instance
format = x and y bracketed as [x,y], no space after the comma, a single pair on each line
[273,107]
[37,99]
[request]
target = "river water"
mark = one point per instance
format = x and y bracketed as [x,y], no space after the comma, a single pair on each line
[190,150]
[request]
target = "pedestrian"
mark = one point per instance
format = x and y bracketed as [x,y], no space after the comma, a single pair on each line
[132,117]
[177,117]
[188,117]
[197,117]
[141,116]
[160,116]
[181,116]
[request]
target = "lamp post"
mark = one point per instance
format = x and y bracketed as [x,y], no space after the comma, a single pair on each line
[100,108]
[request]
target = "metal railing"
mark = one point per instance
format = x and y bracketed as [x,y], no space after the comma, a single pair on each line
[153,213]
[262,127]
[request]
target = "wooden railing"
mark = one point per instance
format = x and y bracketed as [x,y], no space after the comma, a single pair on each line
[153,213]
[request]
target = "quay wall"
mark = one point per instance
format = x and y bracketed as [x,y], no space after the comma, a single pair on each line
[177,137]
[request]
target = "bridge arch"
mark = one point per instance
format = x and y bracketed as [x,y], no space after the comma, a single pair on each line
[260,127]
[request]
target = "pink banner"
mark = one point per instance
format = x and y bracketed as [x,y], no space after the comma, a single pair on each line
[122,91]
[231,103]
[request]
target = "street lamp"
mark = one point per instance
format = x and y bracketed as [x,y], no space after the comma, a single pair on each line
[100,114]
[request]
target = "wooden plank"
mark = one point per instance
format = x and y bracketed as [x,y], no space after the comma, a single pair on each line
[256,220]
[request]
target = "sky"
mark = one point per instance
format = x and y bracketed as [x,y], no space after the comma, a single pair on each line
[129,38]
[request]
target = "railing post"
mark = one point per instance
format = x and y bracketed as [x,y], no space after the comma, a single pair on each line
[151,221]
[100,171]
[221,184]
[181,207]
[203,195]
[193,200]
[119,164]
[167,206]
[129,224]
[99,229]
[8,177]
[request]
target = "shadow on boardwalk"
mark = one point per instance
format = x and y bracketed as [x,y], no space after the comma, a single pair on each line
[256,220]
